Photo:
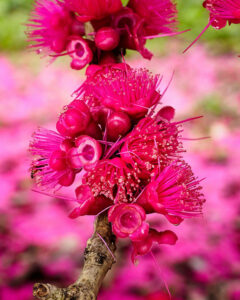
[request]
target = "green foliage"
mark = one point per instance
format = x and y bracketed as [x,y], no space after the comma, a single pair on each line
[125,2]
[13,16]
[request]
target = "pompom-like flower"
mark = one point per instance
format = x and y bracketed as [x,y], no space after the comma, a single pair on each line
[158,16]
[143,247]
[223,11]
[151,144]
[123,89]
[128,220]
[174,192]
[89,10]
[50,167]
[50,26]
[89,205]
[114,180]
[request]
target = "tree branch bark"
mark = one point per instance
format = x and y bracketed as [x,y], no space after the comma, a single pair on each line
[98,260]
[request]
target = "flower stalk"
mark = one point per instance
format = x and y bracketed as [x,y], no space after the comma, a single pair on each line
[98,260]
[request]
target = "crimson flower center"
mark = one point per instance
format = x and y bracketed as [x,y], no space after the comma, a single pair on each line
[79,49]
[125,21]
[88,152]
[129,221]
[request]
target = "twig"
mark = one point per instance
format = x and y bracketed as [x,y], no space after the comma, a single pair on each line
[98,260]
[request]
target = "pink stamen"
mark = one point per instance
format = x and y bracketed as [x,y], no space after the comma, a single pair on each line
[198,37]
[160,274]
[104,242]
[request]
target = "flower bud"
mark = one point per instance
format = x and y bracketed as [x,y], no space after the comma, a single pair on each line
[75,120]
[57,160]
[107,38]
[93,130]
[118,124]
[68,178]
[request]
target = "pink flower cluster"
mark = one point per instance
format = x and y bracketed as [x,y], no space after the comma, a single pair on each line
[94,31]
[124,151]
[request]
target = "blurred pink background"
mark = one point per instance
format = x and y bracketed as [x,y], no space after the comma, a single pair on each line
[39,242]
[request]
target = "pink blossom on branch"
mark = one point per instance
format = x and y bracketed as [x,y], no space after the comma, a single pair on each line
[50,167]
[222,12]
[158,16]
[173,192]
[50,26]
[114,180]
[127,151]
[123,89]
[152,145]
[89,30]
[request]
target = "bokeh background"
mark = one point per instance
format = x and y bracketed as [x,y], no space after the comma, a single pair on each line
[37,240]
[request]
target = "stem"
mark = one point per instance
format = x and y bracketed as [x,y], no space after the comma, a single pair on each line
[98,260]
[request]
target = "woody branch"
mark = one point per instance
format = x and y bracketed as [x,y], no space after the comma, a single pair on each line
[98,260]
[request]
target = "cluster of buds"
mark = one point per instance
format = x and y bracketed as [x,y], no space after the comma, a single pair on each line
[124,152]
[94,31]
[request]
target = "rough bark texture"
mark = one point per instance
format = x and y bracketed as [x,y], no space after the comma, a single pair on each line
[98,260]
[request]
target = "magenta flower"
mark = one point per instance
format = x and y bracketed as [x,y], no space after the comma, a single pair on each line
[143,247]
[122,89]
[113,179]
[128,220]
[88,10]
[151,145]
[223,11]
[50,167]
[50,26]
[158,16]
[89,205]
[174,192]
